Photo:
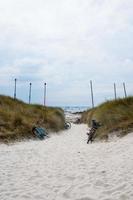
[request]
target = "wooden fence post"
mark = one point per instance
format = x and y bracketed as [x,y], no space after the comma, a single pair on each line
[45,90]
[125,92]
[30,93]
[15,88]
[92,97]
[115,91]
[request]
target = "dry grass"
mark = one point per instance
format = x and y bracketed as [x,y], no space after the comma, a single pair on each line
[116,116]
[17,119]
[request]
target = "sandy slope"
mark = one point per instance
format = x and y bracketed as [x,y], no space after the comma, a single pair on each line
[64,167]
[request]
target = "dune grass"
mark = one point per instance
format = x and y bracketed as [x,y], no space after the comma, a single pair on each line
[18,118]
[116,116]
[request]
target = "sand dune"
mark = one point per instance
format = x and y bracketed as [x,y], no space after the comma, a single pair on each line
[64,167]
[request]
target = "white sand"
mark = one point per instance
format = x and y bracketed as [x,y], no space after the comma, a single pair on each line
[64,167]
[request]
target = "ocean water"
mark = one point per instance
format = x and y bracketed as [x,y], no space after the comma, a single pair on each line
[74,109]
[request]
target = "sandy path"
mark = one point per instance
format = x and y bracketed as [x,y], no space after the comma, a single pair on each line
[64,167]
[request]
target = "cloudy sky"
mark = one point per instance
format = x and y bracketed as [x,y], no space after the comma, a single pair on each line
[66,43]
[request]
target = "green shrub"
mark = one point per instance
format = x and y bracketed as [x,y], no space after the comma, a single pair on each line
[116,116]
[18,118]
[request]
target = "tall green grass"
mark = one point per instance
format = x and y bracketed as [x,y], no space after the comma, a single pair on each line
[115,116]
[18,118]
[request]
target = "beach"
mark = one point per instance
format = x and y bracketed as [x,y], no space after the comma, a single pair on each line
[66,67]
[64,167]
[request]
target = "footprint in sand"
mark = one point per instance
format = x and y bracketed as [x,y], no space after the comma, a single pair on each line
[85,198]
[66,194]
[82,164]
[71,178]
[85,186]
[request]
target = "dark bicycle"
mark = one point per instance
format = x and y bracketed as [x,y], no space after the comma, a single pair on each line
[92,132]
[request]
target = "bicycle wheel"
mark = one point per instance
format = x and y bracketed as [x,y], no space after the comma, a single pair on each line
[67,125]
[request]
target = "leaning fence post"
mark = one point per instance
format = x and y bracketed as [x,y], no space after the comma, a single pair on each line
[115,91]
[125,92]
[30,93]
[15,88]
[92,97]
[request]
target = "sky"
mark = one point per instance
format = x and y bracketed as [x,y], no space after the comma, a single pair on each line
[66,43]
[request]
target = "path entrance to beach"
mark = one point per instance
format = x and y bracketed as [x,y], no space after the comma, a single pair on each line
[64,167]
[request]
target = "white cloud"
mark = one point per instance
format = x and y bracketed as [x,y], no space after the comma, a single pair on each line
[66,41]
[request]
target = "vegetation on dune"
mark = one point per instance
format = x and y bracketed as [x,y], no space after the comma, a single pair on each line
[18,118]
[116,116]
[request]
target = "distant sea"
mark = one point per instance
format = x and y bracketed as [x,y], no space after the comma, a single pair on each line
[74,109]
